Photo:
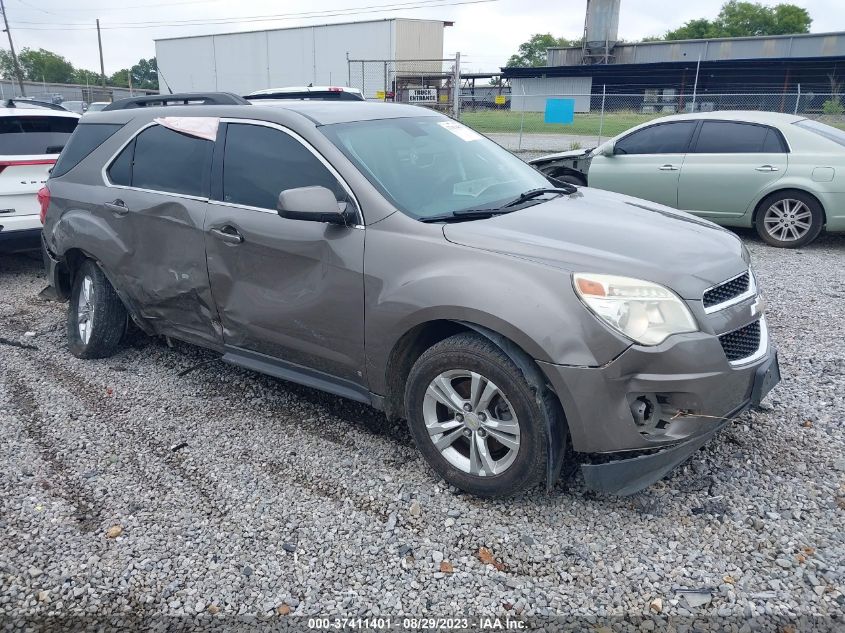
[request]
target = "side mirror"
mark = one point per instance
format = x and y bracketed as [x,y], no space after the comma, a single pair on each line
[312,204]
[608,149]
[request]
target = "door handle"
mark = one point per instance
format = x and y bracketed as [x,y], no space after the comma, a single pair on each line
[228,234]
[668,168]
[766,168]
[118,207]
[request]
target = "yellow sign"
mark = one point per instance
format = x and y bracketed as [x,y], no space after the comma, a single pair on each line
[444,98]
[380,94]
[500,99]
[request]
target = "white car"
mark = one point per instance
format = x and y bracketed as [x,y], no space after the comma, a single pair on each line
[31,139]
[97,106]
[310,93]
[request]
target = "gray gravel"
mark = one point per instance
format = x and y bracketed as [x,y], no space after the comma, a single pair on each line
[125,488]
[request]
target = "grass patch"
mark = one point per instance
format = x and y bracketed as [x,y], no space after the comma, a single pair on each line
[504,121]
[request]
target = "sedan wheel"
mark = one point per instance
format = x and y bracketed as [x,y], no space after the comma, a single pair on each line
[471,423]
[788,220]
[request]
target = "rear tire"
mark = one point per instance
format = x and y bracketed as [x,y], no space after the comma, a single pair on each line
[96,317]
[475,418]
[789,219]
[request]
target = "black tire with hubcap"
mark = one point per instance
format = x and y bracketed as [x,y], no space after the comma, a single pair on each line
[96,317]
[789,219]
[475,418]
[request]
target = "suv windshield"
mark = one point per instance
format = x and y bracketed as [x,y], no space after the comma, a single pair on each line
[822,129]
[429,166]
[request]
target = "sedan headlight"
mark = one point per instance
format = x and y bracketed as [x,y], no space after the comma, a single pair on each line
[641,310]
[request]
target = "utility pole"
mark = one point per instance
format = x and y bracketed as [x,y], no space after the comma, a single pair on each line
[12,47]
[100,44]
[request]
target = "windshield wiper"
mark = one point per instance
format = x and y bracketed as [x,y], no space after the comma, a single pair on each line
[534,193]
[466,214]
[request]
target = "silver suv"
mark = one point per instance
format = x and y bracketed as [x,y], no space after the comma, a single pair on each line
[390,255]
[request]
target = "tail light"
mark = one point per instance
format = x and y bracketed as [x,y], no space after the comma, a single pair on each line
[44,201]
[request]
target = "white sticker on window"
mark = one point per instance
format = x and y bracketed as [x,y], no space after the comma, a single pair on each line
[199,126]
[461,131]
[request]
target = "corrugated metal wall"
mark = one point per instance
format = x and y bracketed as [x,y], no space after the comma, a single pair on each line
[530,94]
[243,62]
[781,46]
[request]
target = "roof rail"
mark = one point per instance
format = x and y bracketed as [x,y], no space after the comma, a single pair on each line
[182,98]
[11,103]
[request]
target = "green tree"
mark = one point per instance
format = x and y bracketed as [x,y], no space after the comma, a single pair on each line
[119,79]
[7,66]
[145,74]
[741,19]
[43,65]
[533,52]
[84,76]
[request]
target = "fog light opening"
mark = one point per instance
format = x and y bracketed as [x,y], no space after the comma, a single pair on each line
[643,410]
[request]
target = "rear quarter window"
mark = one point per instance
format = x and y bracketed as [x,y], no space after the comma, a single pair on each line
[23,135]
[83,141]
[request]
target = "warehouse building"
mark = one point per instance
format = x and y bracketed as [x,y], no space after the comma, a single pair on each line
[668,72]
[248,61]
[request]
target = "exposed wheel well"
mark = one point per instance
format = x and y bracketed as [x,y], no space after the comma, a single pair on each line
[557,171]
[406,352]
[72,260]
[759,206]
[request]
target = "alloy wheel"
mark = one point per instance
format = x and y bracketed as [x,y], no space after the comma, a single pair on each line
[788,220]
[471,422]
[85,309]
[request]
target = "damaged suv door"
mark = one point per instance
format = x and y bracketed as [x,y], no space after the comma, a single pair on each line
[285,288]
[155,202]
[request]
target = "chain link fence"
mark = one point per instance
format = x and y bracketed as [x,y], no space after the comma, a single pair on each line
[426,82]
[520,123]
[59,93]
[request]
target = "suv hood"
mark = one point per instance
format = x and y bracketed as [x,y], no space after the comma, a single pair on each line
[602,232]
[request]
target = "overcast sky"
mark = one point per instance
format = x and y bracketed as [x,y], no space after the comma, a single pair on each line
[486,33]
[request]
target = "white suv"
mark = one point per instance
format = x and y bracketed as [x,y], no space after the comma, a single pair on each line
[30,141]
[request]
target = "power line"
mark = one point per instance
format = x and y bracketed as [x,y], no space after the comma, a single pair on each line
[415,5]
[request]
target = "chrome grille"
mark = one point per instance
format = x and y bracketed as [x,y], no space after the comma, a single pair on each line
[728,290]
[741,343]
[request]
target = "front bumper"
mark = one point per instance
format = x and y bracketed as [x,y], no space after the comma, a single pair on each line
[692,390]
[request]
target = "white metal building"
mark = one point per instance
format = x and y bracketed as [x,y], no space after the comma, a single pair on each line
[529,94]
[248,61]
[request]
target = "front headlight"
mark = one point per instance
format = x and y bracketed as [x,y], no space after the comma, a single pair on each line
[643,311]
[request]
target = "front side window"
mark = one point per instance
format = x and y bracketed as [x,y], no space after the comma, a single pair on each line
[663,138]
[260,162]
[729,137]
[161,159]
[431,165]
[23,135]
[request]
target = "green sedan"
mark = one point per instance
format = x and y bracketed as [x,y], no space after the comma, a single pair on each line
[781,174]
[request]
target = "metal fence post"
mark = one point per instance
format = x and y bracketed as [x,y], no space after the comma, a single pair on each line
[456,88]
[363,80]
[385,81]
[601,116]
[797,99]
[522,120]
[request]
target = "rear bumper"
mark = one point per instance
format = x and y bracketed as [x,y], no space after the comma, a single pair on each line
[15,241]
[692,393]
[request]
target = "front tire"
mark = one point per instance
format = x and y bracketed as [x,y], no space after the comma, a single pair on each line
[96,318]
[789,219]
[475,418]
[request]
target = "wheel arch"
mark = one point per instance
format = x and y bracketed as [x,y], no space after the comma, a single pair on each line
[758,206]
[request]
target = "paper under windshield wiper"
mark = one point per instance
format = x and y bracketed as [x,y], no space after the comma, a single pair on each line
[466,214]
[534,193]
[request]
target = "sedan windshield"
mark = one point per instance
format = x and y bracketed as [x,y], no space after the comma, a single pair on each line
[429,166]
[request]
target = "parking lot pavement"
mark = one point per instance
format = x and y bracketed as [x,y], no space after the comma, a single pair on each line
[541,144]
[129,486]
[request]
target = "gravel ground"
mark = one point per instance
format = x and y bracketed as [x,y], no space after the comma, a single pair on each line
[127,488]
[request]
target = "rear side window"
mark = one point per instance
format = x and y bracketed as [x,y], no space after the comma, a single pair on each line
[728,137]
[82,142]
[161,159]
[261,162]
[664,138]
[27,135]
